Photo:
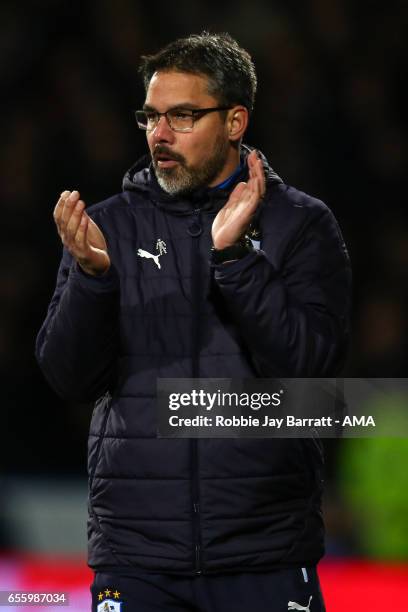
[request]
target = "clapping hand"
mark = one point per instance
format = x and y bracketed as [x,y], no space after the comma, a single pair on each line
[234,218]
[80,235]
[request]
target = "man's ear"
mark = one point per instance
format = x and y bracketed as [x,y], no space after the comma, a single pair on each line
[237,122]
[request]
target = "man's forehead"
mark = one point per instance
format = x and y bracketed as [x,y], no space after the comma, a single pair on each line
[172,88]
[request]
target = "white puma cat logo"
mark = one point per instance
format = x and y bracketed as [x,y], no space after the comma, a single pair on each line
[143,253]
[292,605]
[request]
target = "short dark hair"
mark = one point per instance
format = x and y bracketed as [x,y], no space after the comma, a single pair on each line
[228,67]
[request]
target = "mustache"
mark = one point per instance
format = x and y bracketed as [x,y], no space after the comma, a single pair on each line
[163,150]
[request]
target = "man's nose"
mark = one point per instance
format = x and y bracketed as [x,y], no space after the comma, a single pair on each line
[162,131]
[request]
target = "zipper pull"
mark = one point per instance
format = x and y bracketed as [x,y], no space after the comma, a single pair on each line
[197,555]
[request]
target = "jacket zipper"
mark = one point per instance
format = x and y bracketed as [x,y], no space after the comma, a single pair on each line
[195,231]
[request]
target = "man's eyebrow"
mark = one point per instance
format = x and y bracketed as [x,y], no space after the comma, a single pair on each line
[182,105]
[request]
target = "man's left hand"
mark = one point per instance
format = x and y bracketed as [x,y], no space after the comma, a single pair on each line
[234,218]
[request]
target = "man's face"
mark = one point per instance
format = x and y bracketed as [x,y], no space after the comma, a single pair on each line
[184,161]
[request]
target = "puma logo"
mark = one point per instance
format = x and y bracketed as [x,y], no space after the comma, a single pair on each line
[292,605]
[143,253]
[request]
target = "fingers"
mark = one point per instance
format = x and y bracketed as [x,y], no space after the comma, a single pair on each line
[243,196]
[80,237]
[59,208]
[253,196]
[74,221]
[68,216]
[237,193]
[256,171]
[64,207]
[253,164]
[69,205]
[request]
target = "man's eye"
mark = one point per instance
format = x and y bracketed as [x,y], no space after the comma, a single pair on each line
[181,115]
[151,116]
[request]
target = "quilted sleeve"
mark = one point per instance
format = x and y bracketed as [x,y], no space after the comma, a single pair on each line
[77,345]
[295,320]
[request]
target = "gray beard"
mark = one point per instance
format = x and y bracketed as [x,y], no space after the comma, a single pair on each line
[182,179]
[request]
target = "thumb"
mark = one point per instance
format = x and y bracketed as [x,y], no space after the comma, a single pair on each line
[237,193]
[95,236]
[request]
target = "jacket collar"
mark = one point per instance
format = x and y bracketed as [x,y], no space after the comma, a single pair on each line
[141,178]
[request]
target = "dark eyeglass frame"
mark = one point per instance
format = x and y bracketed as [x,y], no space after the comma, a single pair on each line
[196,114]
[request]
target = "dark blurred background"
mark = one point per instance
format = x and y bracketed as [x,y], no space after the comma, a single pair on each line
[330,116]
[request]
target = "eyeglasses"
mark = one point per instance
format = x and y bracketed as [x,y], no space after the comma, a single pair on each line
[179,119]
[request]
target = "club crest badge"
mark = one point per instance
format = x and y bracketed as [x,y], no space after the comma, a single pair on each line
[109,606]
[161,250]
[108,601]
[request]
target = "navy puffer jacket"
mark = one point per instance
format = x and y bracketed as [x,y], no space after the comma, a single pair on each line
[209,505]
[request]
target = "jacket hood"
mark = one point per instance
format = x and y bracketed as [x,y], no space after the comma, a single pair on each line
[142,178]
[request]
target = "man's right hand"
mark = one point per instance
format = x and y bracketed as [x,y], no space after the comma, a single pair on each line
[80,235]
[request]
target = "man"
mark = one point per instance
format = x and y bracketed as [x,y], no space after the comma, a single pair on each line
[162,281]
